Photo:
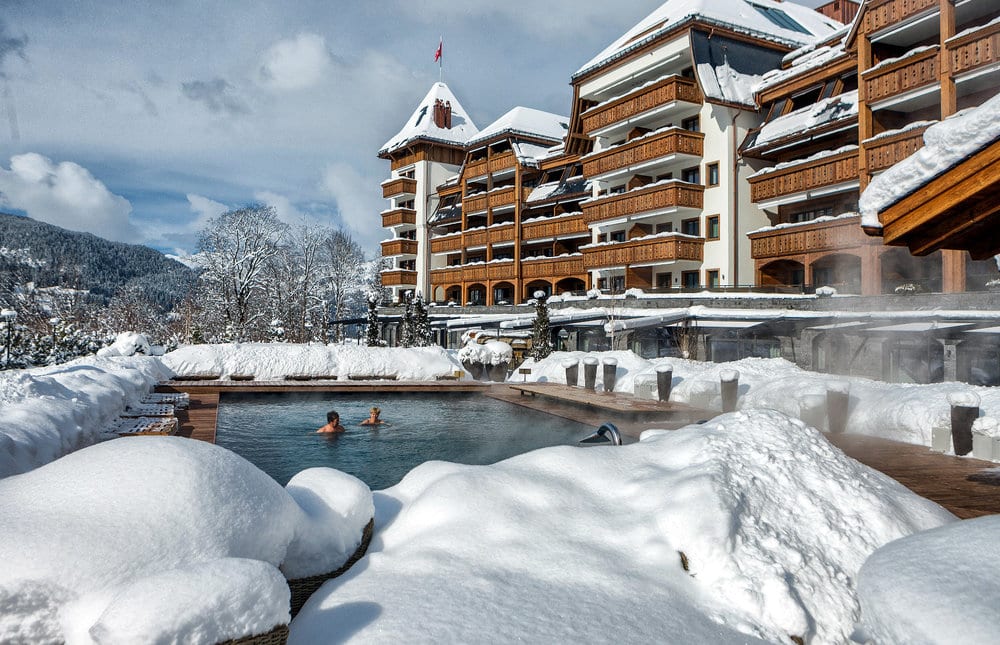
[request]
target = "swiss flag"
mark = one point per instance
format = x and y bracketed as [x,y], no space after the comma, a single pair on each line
[437,54]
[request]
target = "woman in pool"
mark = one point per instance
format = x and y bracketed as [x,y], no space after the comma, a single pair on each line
[374,419]
[332,424]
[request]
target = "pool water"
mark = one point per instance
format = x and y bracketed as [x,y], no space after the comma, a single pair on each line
[277,432]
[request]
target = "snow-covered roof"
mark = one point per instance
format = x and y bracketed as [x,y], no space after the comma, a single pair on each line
[836,108]
[808,58]
[526,121]
[946,144]
[421,124]
[785,23]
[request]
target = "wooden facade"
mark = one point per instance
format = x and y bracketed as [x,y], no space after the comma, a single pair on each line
[641,100]
[644,150]
[808,175]
[397,187]
[644,251]
[399,217]
[659,196]
[399,278]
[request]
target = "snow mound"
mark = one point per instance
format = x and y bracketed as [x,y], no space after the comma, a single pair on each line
[492,352]
[77,531]
[275,361]
[752,525]
[936,587]
[128,343]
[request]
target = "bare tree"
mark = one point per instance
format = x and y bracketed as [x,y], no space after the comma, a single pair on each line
[345,276]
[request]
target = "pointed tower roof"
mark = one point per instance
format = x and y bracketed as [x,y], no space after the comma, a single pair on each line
[421,123]
[785,23]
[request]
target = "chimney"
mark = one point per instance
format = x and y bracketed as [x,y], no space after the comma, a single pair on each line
[447,115]
[438,113]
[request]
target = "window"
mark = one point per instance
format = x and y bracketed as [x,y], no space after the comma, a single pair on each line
[692,124]
[691,175]
[689,279]
[690,227]
[712,227]
[808,216]
[780,18]
[665,227]
[712,278]
[617,283]
[664,280]
[712,170]
[616,236]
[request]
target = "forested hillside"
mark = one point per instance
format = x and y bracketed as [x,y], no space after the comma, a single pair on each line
[32,251]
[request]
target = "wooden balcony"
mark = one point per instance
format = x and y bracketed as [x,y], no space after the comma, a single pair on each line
[502,234]
[399,278]
[904,75]
[502,161]
[474,204]
[644,251]
[399,217]
[501,270]
[475,238]
[552,267]
[445,244]
[885,13]
[398,187]
[555,228]
[475,168]
[890,150]
[974,50]
[819,173]
[837,234]
[399,247]
[477,273]
[655,197]
[446,276]
[643,99]
[643,150]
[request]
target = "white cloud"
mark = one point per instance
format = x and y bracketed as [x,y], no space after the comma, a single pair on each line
[66,195]
[205,208]
[358,201]
[295,63]
[283,206]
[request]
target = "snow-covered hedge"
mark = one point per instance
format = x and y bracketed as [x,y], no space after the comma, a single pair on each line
[492,352]
[150,516]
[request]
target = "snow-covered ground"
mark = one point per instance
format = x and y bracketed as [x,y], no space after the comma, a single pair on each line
[751,526]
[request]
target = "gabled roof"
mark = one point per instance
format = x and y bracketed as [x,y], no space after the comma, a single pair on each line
[421,125]
[526,122]
[784,23]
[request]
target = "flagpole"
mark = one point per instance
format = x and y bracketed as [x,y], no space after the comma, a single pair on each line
[441,60]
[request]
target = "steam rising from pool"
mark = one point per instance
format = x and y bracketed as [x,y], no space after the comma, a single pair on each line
[277,433]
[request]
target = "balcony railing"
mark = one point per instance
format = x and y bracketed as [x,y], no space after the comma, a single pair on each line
[644,149]
[399,278]
[475,168]
[444,244]
[974,50]
[477,273]
[644,251]
[557,227]
[502,234]
[884,13]
[836,234]
[447,275]
[552,267]
[502,161]
[825,171]
[399,247]
[399,217]
[657,196]
[476,238]
[474,204]
[501,270]
[641,100]
[890,150]
[904,75]
[398,187]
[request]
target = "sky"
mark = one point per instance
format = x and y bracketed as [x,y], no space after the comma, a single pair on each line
[140,121]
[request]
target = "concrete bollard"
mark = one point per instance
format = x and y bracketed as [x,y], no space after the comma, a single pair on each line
[572,368]
[838,399]
[610,375]
[664,381]
[589,372]
[730,387]
[812,410]
[964,412]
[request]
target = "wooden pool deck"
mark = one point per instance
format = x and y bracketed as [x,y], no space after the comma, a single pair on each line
[941,478]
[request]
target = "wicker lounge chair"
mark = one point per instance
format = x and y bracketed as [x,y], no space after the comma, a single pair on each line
[302,588]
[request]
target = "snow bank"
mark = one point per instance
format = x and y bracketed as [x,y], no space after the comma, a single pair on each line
[78,532]
[898,411]
[492,352]
[128,343]
[937,587]
[275,361]
[751,525]
[47,412]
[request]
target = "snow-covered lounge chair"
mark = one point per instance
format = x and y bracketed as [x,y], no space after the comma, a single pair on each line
[180,400]
[149,410]
[131,427]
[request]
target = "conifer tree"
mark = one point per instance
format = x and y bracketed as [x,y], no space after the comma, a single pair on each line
[541,335]
[372,338]
[406,326]
[422,334]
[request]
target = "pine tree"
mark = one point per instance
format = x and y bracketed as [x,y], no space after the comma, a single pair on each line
[406,336]
[372,338]
[541,336]
[422,334]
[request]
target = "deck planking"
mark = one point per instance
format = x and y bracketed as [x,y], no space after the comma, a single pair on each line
[941,478]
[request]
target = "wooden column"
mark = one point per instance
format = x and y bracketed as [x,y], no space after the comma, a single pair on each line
[866,128]
[949,99]
[952,271]
[871,271]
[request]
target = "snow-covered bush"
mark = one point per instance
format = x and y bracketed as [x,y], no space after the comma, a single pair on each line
[593,294]
[908,289]
[128,343]
[634,292]
[826,292]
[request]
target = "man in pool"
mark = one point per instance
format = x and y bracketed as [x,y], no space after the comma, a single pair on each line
[374,419]
[332,424]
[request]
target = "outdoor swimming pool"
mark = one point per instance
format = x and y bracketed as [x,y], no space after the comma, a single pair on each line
[277,432]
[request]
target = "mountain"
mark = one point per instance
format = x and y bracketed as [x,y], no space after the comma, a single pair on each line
[33,251]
